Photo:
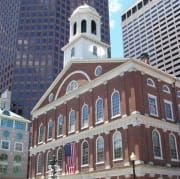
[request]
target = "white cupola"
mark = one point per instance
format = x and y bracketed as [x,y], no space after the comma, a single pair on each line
[85,36]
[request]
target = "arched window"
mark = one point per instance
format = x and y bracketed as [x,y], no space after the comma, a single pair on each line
[173,147]
[156,144]
[17,159]
[74,28]
[60,125]
[83,26]
[150,82]
[85,153]
[99,150]
[49,157]
[84,116]
[166,89]
[39,163]
[99,110]
[73,52]
[93,27]
[3,157]
[50,129]
[40,133]
[115,104]
[117,146]
[72,86]
[60,158]
[72,121]
[94,50]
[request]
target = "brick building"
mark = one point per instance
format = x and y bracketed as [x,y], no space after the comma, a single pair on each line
[109,109]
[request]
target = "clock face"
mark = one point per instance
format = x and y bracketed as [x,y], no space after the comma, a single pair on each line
[98,70]
[6,134]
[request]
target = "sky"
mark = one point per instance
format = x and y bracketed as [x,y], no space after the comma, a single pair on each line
[116,7]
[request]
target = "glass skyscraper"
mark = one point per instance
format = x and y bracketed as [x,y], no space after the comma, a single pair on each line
[43,29]
[153,27]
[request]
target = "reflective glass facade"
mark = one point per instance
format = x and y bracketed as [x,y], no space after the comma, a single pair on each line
[43,30]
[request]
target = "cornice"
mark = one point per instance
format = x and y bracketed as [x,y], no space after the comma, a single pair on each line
[133,120]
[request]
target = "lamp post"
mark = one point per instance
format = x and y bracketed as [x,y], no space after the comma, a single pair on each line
[133,158]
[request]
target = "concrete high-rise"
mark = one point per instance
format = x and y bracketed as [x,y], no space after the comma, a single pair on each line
[43,29]
[153,27]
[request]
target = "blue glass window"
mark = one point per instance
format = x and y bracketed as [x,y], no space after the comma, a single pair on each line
[50,129]
[168,110]
[20,125]
[84,116]
[156,144]
[117,146]
[99,110]
[40,133]
[173,147]
[72,121]
[7,123]
[19,136]
[60,125]
[115,103]
[85,153]
[100,150]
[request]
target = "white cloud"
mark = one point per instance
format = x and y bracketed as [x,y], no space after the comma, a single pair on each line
[112,24]
[114,6]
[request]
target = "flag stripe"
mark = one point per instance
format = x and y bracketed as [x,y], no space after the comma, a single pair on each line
[70,158]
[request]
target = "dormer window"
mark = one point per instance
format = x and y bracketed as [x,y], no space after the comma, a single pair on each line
[93,27]
[74,28]
[73,52]
[83,26]
[95,50]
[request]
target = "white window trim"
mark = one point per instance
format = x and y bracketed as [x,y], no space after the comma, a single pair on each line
[169,102]
[40,142]
[117,132]
[172,159]
[72,131]
[50,138]
[38,173]
[86,126]
[101,162]
[5,141]
[151,85]
[155,97]
[84,165]
[59,135]
[15,146]
[155,157]
[168,90]
[101,120]
[117,115]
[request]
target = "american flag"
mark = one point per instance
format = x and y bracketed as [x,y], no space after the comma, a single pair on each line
[70,157]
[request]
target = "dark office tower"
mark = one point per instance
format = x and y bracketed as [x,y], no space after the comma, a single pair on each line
[42,31]
[153,27]
[9,12]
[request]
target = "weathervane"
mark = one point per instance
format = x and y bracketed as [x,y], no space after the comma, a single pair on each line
[84,1]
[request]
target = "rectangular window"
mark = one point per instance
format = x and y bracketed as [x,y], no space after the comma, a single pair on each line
[3,169]
[18,147]
[152,105]
[5,144]
[20,125]
[168,110]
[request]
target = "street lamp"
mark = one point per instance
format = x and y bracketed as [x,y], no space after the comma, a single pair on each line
[133,158]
